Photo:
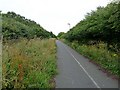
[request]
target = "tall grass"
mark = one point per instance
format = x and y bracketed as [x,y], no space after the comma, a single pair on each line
[99,54]
[29,64]
[0,63]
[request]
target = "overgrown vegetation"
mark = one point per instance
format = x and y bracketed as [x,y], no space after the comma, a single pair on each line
[29,64]
[15,26]
[99,54]
[29,53]
[100,25]
[98,36]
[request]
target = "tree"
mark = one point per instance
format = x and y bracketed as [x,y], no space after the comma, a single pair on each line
[60,35]
[100,25]
[16,26]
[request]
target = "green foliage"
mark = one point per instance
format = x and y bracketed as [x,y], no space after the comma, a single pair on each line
[32,64]
[15,26]
[98,54]
[61,35]
[100,25]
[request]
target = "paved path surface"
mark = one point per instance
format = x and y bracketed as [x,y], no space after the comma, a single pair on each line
[75,71]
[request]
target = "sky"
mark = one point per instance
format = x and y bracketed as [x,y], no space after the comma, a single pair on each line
[53,15]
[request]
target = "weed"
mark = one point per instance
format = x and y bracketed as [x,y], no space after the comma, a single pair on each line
[99,54]
[29,64]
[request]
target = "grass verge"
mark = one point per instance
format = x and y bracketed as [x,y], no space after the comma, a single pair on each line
[29,64]
[99,54]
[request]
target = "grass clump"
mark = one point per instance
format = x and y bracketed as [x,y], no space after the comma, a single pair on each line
[29,64]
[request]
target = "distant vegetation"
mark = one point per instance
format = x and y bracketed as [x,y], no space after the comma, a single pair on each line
[98,36]
[15,26]
[61,35]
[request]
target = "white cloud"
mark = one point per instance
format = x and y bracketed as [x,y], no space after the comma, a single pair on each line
[53,15]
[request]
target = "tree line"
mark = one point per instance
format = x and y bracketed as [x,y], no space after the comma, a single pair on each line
[102,24]
[15,26]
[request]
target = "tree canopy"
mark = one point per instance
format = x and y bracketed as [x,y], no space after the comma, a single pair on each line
[15,26]
[100,25]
